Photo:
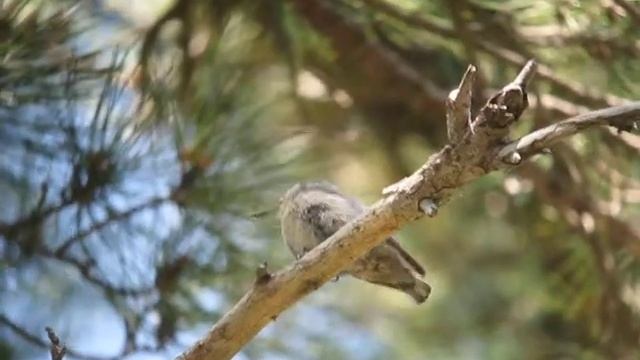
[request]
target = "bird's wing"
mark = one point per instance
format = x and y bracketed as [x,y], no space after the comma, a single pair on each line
[405,255]
[323,221]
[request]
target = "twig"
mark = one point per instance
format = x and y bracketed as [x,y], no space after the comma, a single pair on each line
[410,19]
[62,249]
[632,10]
[575,90]
[177,11]
[625,236]
[84,268]
[534,142]
[58,350]
[34,217]
[526,74]
[460,23]
[383,65]
[262,274]
[35,340]
[554,36]
[459,106]
[22,332]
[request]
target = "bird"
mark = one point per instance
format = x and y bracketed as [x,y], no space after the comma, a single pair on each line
[310,212]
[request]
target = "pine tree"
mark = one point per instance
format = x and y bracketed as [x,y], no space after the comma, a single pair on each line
[132,173]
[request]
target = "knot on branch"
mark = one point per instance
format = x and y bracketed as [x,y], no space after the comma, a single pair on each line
[428,207]
[622,126]
[491,125]
[262,274]
[501,111]
[506,107]
[513,158]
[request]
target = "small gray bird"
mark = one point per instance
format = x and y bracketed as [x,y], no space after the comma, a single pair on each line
[311,212]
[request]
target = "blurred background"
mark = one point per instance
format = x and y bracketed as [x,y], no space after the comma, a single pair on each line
[144,146]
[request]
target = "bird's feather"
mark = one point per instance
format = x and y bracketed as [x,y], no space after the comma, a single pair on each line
[405,255]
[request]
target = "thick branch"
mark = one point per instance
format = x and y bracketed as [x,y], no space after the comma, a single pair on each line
[423,192]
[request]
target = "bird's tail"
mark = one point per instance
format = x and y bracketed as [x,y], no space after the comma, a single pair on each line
[419,291]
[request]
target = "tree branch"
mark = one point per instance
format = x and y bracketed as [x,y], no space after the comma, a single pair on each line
[85,269]
[35,340]
[535,142]
[401,91]
[459,106]
[476,154]
[112,218]
[58,350]
[410,19]
[631,9]
[577,91]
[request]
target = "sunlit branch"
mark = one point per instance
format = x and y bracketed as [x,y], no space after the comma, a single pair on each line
[622,117]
